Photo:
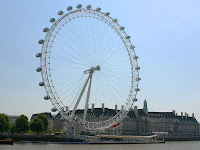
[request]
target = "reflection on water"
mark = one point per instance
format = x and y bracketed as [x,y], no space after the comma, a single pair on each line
[193,145]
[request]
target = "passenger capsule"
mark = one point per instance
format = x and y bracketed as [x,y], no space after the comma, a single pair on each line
[54,109]
[135,99]
[132,46]
[98,67]
[60,13]
[137,89]
[38,54]
[41,41]
[137,68]
[69,8]
[88,7]
[79,6]
[39,69]
[127,37]
[115,20]
[135,57]
[98,9]
[107,14]
[138,79]
[45,29]
[41,84]
[52,20]
[47,97]
[122,28]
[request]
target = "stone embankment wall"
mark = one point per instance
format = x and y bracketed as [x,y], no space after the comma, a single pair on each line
[182,138]
[49,138]
[60,138]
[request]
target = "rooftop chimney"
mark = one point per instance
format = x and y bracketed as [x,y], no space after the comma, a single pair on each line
[136,111]
[92,107]
[116,110]
[174,112]
[193,115]
[103,108]
[182,115]
[66,108]
[122,107]
[186,115]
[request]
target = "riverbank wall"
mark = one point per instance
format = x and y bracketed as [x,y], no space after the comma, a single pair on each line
[48,138]
[64,138]
[181,138]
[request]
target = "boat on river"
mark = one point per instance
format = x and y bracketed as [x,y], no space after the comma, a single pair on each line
[115,139]
[7,142]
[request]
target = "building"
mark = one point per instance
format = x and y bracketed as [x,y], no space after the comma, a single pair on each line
[142,122]
[137,122]
[12,119]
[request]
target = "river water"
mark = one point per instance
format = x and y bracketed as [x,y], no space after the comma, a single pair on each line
[191,145]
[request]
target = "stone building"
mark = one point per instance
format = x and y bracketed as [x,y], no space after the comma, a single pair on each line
[12,119]
[142,122]
[138,121]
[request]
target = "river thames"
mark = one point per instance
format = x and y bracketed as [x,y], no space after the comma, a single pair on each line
[183,145]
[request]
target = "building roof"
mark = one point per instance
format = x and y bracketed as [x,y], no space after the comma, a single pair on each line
[110,112]
[170,115]
[161,114]
[141,112]
[188,119]
[48,114]
[98,112]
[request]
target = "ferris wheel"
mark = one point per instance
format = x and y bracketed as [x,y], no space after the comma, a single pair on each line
[88,59]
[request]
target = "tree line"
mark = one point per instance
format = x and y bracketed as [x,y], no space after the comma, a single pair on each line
[22,125]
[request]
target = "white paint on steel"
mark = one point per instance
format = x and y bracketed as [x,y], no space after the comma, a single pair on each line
[46,74]
[88,96]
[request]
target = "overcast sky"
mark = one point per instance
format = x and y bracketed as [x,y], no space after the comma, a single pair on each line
[166,35]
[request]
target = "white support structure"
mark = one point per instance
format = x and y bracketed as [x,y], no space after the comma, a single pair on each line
[87,99]
[90,71]
[79,98]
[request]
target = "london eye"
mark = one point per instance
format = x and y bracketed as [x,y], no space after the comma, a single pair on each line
[88,59]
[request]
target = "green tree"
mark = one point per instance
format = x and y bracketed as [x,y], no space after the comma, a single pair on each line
[44,120]
[13,128]
[37,125]
[49,131]
[4,123]
[22,124]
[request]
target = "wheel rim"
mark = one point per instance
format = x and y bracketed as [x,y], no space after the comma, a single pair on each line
[51,50]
